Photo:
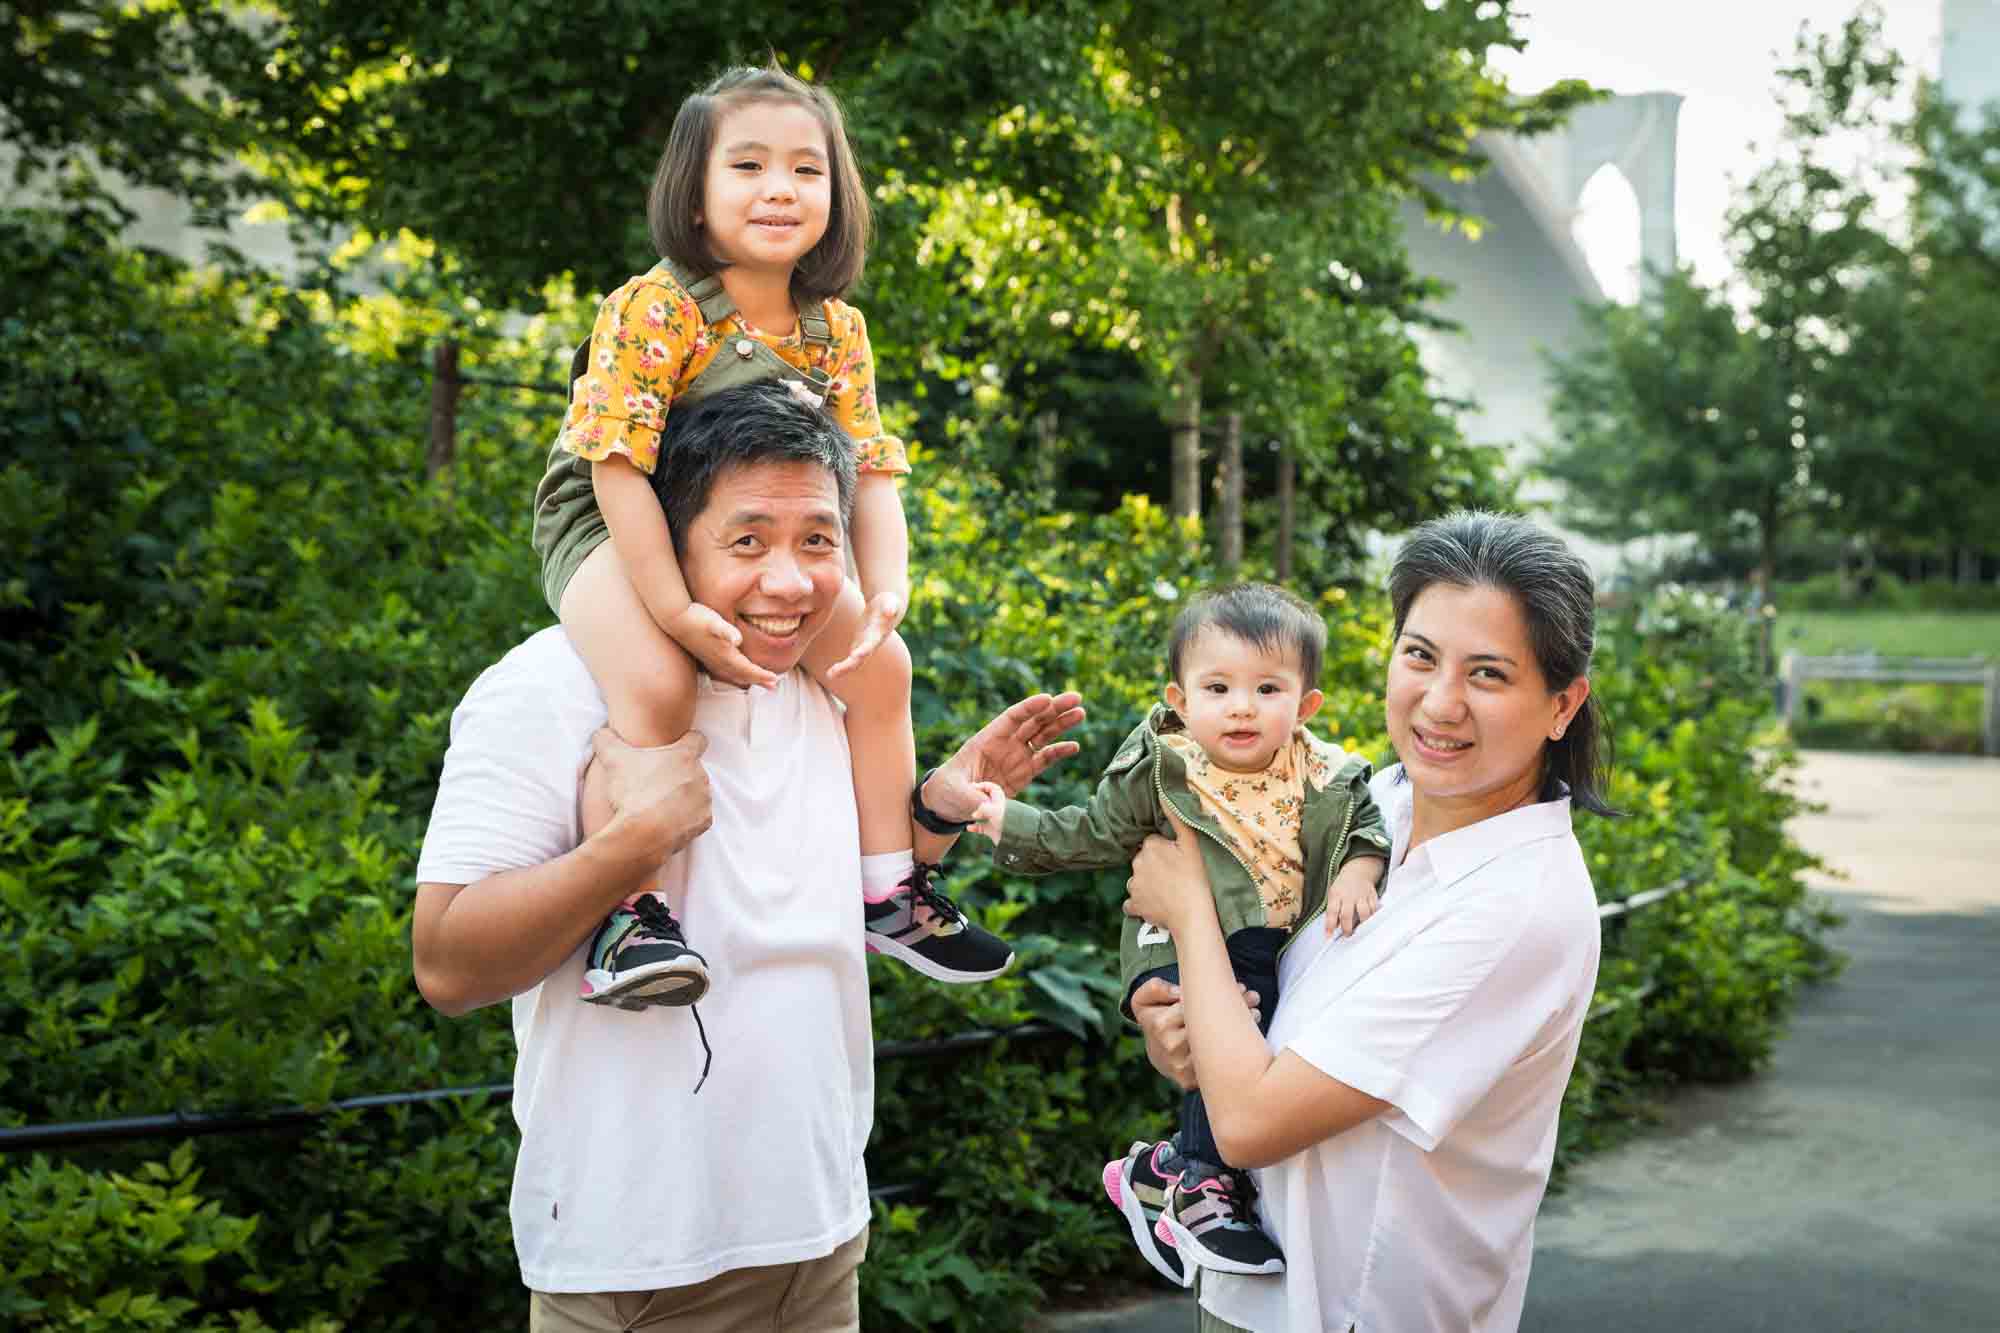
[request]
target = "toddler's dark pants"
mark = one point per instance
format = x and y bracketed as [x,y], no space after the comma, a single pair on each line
[1253,957]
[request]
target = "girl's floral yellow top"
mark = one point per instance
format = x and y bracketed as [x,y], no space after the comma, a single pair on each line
[650,342]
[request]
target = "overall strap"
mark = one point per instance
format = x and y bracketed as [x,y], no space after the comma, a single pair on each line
[814,326]
[710,296]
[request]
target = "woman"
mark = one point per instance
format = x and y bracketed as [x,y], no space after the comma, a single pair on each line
[1403,1108]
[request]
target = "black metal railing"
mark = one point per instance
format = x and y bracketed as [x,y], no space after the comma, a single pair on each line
[196,1124]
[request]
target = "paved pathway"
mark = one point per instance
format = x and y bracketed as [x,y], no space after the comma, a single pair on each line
[1856,1183]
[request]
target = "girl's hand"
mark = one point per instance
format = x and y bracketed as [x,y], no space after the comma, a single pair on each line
[717,645]
[885,612]
[991,816]
[1168,878]
[1352,898]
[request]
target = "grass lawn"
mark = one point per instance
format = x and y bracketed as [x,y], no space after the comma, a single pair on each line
[1891,633]
[1859,715]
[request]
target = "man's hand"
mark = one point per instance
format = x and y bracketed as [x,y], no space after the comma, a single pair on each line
[1157,1007]
[1011,751]
[884,612]
[717,645]
[660,793]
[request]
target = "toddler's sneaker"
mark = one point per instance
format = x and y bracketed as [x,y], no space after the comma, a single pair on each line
[1137,1185]
[1211,1219]
[921,927]
[640,957]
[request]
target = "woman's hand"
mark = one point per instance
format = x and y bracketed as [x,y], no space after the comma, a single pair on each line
[1168,879]
[1157,1007]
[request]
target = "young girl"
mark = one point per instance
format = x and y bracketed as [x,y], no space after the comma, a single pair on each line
[762,219]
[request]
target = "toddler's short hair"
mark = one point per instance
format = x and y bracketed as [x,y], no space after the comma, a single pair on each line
[1262,614]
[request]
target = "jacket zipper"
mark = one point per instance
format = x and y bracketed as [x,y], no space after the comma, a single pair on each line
[1160,786]
[1332,870]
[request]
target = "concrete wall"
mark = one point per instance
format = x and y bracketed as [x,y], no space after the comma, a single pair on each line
[1517,288]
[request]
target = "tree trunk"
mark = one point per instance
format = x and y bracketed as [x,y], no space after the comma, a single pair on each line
[1285,503]
[1229,541]
[445,385]
[1187,448]
[1046,448]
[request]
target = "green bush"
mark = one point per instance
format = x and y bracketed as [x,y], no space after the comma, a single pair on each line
[236,619]
[1913,718]
[1881,590]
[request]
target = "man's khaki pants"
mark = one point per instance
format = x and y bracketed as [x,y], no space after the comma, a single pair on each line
[817,1296]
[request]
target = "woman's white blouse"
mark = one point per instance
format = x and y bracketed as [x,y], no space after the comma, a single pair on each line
[1460,1003]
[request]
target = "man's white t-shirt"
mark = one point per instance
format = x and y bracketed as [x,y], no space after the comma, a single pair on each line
[1460,1003]
[628,1180]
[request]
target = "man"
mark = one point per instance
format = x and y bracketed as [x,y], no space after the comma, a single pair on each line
[637,1204]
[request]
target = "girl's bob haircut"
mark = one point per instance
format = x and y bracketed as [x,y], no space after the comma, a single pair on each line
[680,182]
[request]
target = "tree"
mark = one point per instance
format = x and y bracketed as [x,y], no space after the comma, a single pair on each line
[1059,180]
[1915,469]
[1835,382]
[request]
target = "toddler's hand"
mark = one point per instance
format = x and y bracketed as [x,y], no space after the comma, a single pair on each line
[884,613]
[716,644]
[1352,899]
[991,816]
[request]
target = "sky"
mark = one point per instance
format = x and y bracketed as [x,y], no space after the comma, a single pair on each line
[1722,57]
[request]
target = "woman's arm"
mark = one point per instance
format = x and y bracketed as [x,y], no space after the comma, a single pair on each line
[1262,1109]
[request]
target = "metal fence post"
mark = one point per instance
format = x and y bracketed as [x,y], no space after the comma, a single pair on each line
[444,410]
[1993,708]
[1794,684]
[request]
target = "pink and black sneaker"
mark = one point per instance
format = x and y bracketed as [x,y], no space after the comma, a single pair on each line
[640,957]
[1137,1185]
[917,925]
[1211,1218]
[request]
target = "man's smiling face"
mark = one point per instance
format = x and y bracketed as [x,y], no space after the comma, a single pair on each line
[765,554]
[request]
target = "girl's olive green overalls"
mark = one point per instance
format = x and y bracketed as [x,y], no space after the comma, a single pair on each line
[568,526]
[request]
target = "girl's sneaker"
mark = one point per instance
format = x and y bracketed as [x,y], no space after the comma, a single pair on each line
[1211,1218]
[1137,1185]
[921,927]
[640,957]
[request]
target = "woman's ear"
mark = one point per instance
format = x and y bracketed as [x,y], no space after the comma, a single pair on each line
[1567,700]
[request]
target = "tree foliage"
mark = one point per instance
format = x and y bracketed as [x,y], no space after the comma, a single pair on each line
[1093,216]
[1845,382]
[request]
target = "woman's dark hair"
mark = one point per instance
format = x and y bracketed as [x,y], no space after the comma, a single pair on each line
[1557,597]
[680,182]
[1260,614]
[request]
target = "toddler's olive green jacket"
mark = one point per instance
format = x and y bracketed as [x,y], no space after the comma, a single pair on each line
[1341,822]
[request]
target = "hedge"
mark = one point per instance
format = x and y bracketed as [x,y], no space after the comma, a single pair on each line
[236,619]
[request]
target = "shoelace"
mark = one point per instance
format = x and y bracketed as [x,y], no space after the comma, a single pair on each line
[923,895]
[658,918]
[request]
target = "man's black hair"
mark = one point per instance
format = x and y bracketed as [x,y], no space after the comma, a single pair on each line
[1262,614]
[765,422]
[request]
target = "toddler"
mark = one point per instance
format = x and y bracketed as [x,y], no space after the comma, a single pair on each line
[1287,829]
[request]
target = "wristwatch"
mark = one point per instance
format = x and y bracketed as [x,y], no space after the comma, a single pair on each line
[928,818]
